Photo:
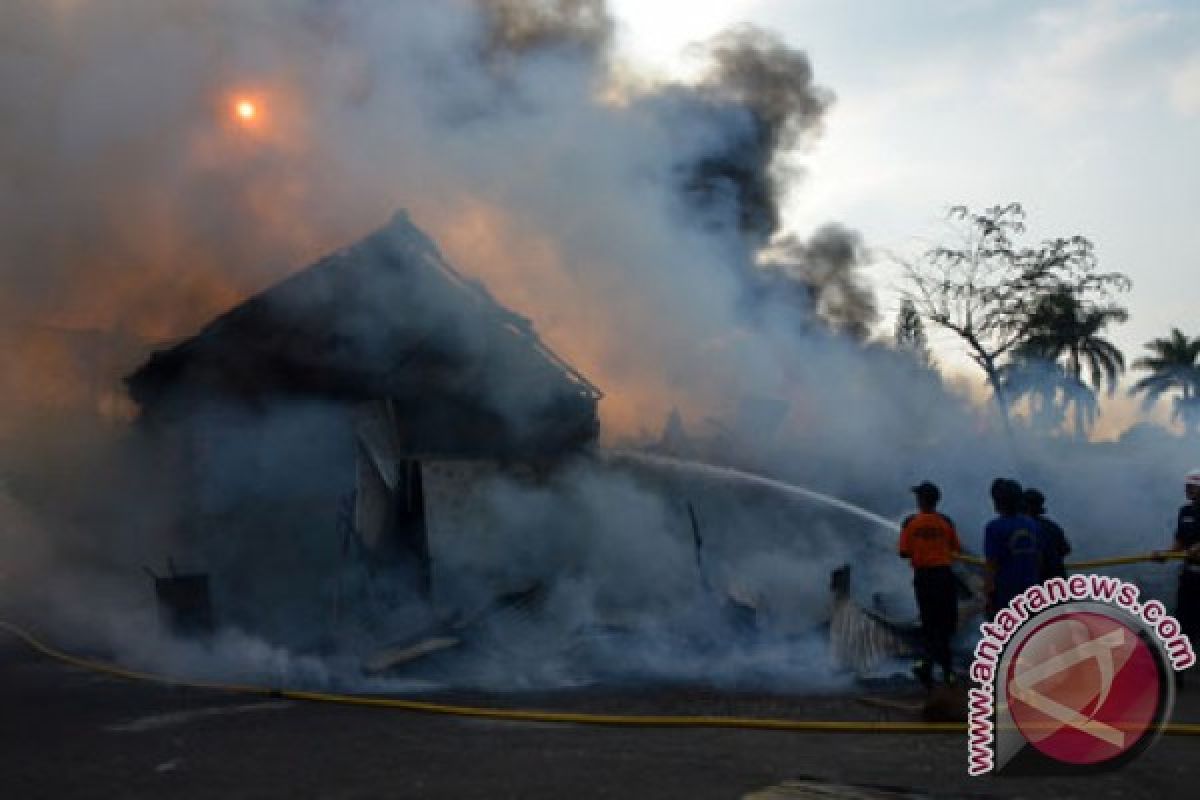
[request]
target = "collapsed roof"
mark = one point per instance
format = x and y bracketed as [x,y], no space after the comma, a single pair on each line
[386,319]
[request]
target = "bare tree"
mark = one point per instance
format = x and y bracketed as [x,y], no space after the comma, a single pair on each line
[986,288]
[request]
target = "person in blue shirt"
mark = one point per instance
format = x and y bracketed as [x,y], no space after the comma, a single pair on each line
[1013,545]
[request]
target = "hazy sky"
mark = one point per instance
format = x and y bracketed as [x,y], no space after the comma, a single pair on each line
[1087,111]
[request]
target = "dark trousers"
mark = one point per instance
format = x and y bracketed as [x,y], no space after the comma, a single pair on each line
[937,600]
[1187,604]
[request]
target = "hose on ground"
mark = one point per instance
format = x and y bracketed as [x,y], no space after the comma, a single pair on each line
[521,715]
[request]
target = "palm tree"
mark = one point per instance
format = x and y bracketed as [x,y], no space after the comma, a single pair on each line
[1065,336]
[1173,368]
[1063,330]
[1052,391]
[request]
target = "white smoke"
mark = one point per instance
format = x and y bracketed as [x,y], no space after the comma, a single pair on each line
[632,224]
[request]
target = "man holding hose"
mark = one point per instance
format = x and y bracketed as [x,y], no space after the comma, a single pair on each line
[929,540]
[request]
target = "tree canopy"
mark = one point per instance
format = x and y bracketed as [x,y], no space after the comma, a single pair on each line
[910,334]
[1174,368]
[1013,303]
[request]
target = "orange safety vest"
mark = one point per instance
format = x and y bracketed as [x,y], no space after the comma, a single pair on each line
[929,540]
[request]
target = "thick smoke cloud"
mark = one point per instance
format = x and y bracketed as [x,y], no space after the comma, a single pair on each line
[517,27]
[637,226]
[768,90]
[760,98]
[138,205]
[822,274]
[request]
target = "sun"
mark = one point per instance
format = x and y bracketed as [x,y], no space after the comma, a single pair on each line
[245,110]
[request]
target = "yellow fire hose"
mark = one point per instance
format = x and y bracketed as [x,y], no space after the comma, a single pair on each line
[1166,555]
[523,715]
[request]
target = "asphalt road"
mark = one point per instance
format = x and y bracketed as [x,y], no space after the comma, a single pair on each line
[67,733]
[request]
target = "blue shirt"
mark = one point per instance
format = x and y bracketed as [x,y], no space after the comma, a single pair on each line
[1017,547]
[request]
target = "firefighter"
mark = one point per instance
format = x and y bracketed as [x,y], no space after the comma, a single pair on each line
[1187,537]
[1013,545]
[1055,538]
[930,542]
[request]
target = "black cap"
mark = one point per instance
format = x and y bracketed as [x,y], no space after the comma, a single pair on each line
[1007,493]
[927,492]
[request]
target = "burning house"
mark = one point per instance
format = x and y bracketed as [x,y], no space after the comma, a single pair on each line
[376,447]
[318,416]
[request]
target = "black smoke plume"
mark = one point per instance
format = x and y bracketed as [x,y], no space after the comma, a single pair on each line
[517,27]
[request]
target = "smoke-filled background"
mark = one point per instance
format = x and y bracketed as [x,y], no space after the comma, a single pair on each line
[636,222]
[137,203]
